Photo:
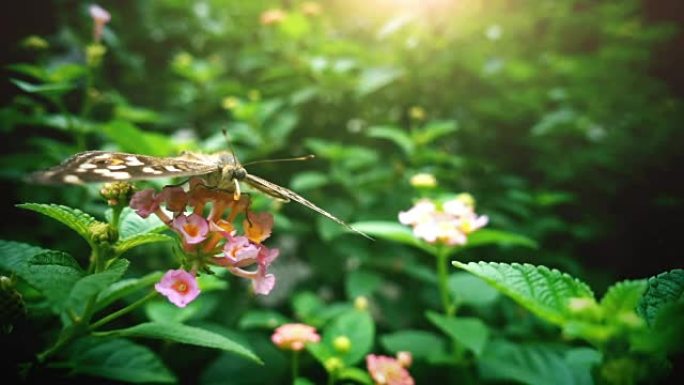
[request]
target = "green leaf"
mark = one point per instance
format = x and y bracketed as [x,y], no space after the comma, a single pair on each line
[132,224]
[662,290]
[362,283]
[130,138]
[484,237]
[395,135]
[183,334]
[309,180]
[262,319]
[354,374]
[54,89]
[472,333]
[124,245]
[52,273]
[119,360]
[466,288]
[91,285]
[163,311]
[623,297]
[393,231]
[543,291]
[126,287]
[75,219]
[537,364]
[420,343]
[356,325]
[307,307]
[434,130]
[373,79]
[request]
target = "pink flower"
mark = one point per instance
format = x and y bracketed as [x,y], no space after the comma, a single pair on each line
[263,283]
[258,226]
[175,198]
[387,371]
[179,286]
[193,228]
[294,336]
[144,202]
[440,228]
[240,250]
[100,18]
[420,212]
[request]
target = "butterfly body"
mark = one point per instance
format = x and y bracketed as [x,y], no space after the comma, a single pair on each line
[219,170]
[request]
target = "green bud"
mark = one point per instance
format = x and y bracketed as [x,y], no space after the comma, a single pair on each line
[342,344]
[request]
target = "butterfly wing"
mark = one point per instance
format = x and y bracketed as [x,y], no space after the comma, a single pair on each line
[284,194]
[105,166]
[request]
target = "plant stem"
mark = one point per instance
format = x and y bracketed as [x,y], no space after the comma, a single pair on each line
[105,320]
[443,277]
[295,366]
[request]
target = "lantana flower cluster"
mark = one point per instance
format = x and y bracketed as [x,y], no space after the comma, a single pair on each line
[294,336]
[210,239]
[447,222]
[389,370]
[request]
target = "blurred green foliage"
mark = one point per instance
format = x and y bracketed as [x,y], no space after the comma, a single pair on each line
[545,111]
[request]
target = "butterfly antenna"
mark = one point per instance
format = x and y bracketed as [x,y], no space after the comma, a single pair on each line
[230,145]
[295,159]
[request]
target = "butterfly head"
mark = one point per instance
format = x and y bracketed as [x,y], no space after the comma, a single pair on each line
[231,172]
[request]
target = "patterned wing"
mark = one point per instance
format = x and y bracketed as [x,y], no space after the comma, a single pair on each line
[282,193]
[104,166]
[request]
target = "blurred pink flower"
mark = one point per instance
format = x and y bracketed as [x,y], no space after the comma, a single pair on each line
[194,228]
[294,336]
[145,202]
[387,371]
[240,249]
[100,18]
[179,286]
[175,198]
[263,283]
[420,212]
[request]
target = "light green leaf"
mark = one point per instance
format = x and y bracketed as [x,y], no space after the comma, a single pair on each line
[434,130]
[484,237]
[623,297]
[183,334]
[373,79]
[55,89]
[119,360]
[124,245]
[662,290]
[132,224]
[537,364]
[52,273]
[126,287]
[130,138]
[354,374]
[356,325]
[470,332]
[466,288]
[393,231]
[75,219]
[543,291]
[262,319]
[309,180]
[91,285]
[395,135]
[420,343]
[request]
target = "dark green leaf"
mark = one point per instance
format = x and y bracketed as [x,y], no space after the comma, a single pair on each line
[45,89]
[472,333]
[484,237]
[126,287]
[394,134]
[262,319]
[420,343]
[362,283]
[91,285]
[75,219]
[662,290]
[466,288]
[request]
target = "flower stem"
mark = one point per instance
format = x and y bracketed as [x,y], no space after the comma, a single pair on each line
[295,366]
[105,320]
[443,277]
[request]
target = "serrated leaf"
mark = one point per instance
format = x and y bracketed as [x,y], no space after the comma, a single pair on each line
[125,287]
[52,273]
[124,245]
[662,290]
[470,332]
[75,219]
[393,231]
[485,237]
[420,343]
[119,360]
[623,297]
[132,224]
[183,334]
[543,291]
[262,319]
[91,285]
[395,135]
[537,364]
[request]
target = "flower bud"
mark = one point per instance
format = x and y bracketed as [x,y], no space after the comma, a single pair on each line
[103,233]
[342,344]
[117,193]
[333,364]
[361,303]
[423,180]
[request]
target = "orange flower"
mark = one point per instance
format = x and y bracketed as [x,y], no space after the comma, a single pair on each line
[258,226]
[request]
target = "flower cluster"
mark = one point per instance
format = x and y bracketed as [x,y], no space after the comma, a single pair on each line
[294,336]
[210,239]
[448,222]
[388,370]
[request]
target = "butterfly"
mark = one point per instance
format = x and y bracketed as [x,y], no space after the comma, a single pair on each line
[220,170]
